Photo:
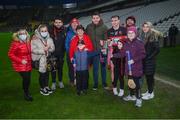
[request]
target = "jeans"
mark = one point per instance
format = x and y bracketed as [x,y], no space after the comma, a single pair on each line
[95,60]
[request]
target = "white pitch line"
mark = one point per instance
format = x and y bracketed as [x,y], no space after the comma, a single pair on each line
[167,82]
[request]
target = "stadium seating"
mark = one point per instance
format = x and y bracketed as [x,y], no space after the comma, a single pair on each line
[161,11]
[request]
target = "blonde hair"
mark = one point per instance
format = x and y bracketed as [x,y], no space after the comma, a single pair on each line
[149,24]
[16,34]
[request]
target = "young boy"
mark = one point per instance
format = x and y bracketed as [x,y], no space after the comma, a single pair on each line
[80,63]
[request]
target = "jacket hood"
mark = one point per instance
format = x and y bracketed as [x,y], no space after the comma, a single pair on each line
[37,34]
[16,38]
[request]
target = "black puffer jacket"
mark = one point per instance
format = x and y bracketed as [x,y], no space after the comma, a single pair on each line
[58,36]
[151,41]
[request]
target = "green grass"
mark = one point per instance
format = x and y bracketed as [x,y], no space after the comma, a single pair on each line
[64,103]
[168,62]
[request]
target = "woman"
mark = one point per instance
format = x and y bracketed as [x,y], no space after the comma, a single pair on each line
[80,36]
[20,55]
[150,38]
[42,46]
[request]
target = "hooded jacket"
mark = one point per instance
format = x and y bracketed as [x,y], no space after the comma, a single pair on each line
[20,50]
[37,47]
[69,36]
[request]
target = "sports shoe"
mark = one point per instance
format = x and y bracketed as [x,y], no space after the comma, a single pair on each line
[143,94]
[44,92]
[121,92]
[148,96]
[94,88]
[115,91]
[138,103]
[49,90]
[106,88]
[61,85]
[129,98]
[53,87]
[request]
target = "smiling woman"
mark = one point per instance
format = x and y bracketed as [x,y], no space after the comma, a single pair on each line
[20,55]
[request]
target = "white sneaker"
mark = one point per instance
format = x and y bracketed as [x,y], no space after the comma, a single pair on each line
[121,92]
[115,91]
[148,96]
[138,103]
[61,85]
[75,82]
[143,94]
[53,87]
[129,98]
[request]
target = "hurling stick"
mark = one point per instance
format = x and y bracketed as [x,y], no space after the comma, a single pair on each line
[131,83]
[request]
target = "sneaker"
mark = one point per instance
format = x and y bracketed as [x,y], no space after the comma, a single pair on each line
[121,92]
[61,85]
[94,88]
[138,103]
[143,94]
[53,87]
[44,92]
[106,88]
[115,91]
[74,82]
[129,98]
[148,96]
[49,90]
[28,97]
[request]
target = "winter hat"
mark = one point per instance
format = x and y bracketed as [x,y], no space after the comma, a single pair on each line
[132,29]
[75,20]
[132,18]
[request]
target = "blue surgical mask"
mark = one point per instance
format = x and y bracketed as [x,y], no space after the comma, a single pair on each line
[23,37]
[44,34]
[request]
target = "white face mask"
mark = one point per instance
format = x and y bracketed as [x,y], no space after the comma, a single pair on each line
[23,37]
[44,34]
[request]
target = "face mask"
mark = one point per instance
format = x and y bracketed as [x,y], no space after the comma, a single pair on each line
[44,34]
[22,37]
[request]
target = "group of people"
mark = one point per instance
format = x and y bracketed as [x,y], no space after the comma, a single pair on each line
[125,51]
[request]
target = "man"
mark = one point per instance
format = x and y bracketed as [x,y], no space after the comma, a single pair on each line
[130,21]
[117,64]
[70,34]
[58,34]
[173,31]
[97,31]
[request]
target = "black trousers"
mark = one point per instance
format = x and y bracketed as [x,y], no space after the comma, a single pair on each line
[82,80]
[137,90]
[60,63]
[43,79]
[150,82]
[70,69]
[26,79]
[118,72]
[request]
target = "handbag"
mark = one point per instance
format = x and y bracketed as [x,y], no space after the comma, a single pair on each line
[35,64]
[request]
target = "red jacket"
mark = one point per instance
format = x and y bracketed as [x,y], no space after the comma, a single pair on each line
[19,51]
[74,41]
